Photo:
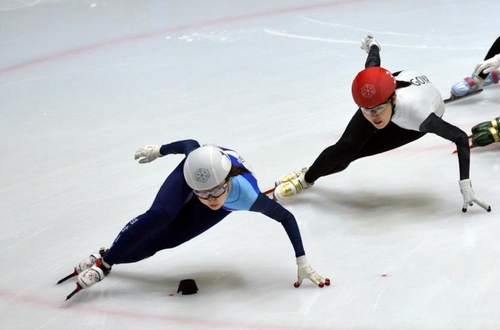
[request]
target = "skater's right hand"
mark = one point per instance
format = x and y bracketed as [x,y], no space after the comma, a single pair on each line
[305,271]
[470,197]
[148,153]
[488,65]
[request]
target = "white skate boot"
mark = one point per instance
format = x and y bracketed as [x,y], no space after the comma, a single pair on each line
[94,274]
[291,184]
[90,260]
[85,264]
[289,176]
[91,276]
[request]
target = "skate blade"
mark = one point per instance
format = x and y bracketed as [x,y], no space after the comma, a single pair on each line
[64,279]
[78,288]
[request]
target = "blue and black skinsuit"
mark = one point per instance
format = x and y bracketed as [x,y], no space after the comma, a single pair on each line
[177,215]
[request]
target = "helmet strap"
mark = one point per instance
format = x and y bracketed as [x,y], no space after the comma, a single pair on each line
[393,104]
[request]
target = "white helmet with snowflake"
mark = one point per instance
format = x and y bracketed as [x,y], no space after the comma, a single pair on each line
[206,167]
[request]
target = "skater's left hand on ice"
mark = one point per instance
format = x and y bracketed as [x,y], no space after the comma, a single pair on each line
[147,153]
[488,65]
[305,271]
[470,197]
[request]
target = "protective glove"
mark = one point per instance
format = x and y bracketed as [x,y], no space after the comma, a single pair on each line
[367,42]
[488,65]
[148,153]
[469,197]
[304,270]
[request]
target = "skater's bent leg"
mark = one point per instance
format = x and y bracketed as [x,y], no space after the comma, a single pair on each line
[170,199]
[337,157]
[193,219]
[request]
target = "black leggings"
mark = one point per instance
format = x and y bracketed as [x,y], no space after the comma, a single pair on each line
[360,139]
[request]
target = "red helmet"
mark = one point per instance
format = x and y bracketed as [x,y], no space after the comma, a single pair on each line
[372,87]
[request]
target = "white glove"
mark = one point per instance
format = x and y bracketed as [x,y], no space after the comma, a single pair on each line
[488,65]
[469,197]
[148,153]
[304,270]
[367,42]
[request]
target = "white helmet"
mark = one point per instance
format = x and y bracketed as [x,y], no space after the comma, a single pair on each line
[206,167]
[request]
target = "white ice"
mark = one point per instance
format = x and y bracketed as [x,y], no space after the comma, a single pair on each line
[83,84]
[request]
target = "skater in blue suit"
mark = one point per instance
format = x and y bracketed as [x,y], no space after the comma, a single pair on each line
[207,185]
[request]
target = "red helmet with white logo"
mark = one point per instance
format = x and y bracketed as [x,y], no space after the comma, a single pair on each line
[372,87]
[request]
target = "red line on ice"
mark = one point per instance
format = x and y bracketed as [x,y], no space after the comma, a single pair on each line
[107,44]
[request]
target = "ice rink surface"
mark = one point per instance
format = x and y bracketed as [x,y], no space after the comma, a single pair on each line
[83,84]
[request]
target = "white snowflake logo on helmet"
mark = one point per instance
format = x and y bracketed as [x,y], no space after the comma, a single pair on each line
[368,91]
[202,175]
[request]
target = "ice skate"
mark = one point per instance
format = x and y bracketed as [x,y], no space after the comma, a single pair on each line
[484,126]
[290,176]
[85,264]
[293,185]
[466,86]
[94,274]
[91,276]
[473,83]
[485,137]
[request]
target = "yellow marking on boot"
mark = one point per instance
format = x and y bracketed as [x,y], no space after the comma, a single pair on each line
[296,184]
[494,133]
[288,177]
[494,123]
[286,190]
